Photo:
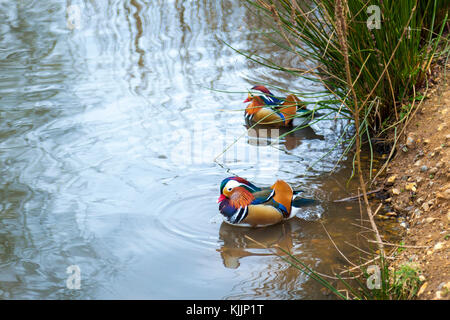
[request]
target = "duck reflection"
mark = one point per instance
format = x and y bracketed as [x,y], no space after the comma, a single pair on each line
[263,135]
[237,241]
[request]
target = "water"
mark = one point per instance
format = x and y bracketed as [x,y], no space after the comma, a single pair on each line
[108,134]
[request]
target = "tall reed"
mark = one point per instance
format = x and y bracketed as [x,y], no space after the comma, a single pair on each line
[371,55]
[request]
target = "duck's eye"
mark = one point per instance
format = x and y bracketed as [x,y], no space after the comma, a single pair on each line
[229,189]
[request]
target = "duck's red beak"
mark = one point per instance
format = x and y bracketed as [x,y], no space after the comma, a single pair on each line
[247,100]
[221,198]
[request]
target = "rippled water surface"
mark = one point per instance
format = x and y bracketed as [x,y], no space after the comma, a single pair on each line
[108,134]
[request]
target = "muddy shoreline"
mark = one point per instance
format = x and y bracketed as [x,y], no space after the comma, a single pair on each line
[417,187]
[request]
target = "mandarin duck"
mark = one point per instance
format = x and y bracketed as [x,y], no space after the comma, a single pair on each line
[243,204]
[268,109]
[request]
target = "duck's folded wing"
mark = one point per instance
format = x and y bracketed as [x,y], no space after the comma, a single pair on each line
[262,196]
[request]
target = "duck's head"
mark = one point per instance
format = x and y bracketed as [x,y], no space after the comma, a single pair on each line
[263,89]
[267,98]
[231,184]
[250,97]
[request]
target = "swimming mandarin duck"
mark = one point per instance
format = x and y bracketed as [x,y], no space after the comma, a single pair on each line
[244,204]
[268,109]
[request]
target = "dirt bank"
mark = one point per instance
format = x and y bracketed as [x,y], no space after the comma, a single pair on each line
[417,180]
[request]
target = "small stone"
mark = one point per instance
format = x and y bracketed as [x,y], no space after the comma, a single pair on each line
[443,195]
[395,191]
[419,154]
[446,286]
[411,186]
[417,213]
[422,288]
[404,224]
[418,163]
[423,168]
[433,170]
[438,246]
[410,142]
[405,149]
[429,220]
[426,141]
[438,295]
[422,278]
[391,179]
[447,137]
[425,206]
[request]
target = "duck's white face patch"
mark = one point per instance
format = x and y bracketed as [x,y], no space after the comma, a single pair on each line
[230,185]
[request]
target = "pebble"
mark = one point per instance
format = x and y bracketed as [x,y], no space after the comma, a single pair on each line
[425,206]
[410,142]
[446,286]
[411,186]
[433,170]
[423,168]
[422,288]
[438,246]
[430,220]
[395,191]
[443,195]
[417,213]
[391,179]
